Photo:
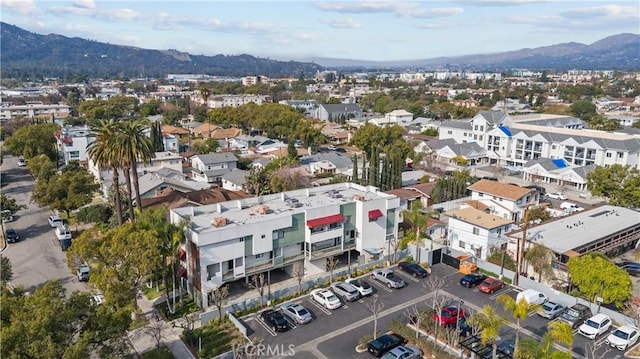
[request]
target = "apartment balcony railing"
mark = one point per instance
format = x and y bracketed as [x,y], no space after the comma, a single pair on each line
[257,268]
[326,252]
[568,154]
[288,259]
[228,275]
[538,149]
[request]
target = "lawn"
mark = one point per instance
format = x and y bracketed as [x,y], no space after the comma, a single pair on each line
[216,338]
[161,353]
[188,306]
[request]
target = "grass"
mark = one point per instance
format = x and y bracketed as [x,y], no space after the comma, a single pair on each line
[152,293]
[494,275]
[159,353]
[188,306]
[216,338]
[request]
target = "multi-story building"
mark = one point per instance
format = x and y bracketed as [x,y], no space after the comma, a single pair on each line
[235,100]
[503,199]
[72,142]
[477,232]
[292,230]
[34,110]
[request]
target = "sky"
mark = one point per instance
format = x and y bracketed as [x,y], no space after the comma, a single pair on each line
[301,30]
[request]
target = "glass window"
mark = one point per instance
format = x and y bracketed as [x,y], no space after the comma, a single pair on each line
[476,231]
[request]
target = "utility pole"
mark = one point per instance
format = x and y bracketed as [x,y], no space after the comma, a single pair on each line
[520,248]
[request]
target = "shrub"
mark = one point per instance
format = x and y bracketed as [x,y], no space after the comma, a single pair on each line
[375,266]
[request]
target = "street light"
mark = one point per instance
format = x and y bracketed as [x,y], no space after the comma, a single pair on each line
[458,315]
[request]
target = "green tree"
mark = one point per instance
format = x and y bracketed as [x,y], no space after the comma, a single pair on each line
[292,152]
[519,310]
[208,145]
[558,332]
[33,140]
[418,221]
[41,167]
[10,204]
[636,124]
[541,259]
[103,154]
[597,276]
[620,184]
[583,109]
[99,213]
[258,182]
[488,322]
[121,258]
[157,140]
[6,273]
[66,191]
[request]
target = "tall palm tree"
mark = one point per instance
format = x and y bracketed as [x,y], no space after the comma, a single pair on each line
[418,222]
[561,333]
[519,310]
[135,146]
[489,322]
[102,154]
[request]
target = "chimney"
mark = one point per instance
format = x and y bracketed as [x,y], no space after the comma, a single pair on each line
[219,207]
[219,222]
[239,202]
[308,193]
[358,197]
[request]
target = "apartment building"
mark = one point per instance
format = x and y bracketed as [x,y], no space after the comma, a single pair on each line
[503,199]
[236,100]
[476,232]
[235,240]
[34,110]
[72,142]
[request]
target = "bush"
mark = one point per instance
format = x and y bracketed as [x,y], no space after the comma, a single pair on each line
[98,213]
[429,348]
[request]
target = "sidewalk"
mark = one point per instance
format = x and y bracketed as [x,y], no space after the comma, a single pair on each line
[143,340]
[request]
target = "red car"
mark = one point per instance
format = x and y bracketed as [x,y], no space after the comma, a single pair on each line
[449,315]
[490,285]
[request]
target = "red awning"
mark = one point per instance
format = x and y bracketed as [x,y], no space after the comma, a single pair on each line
[323,221]
[182,272]
[182,254]
[375,214]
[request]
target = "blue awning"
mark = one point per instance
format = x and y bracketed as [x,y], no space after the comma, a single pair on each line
[559,162]
[506,130]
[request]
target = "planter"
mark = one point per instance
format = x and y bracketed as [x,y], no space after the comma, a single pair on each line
[361,348]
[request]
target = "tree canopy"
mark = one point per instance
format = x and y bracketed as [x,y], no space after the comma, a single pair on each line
[620,184]
[596,276]
[33,140]
[9,203]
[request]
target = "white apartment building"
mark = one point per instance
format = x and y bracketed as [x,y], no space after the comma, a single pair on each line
[34,110]
[235,100]
[476,232]
[235,240]
[515,140]
[503,199]
[72,142]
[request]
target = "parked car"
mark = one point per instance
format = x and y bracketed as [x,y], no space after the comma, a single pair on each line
[464,329]
[345,291]
[275,320]
[531,296]
[54,221]
[7,216]
[595,326]
[623,337]
[297,313]
[385,343]
[403,352]
[326,298]
[12,236]
[97,299]
[557,195]
[387,277]
[22,162]
[570,207]
[414,269]
[551,310]
[341,150]
[491,285]
[632,268]
[472,279]
[575,315]
[83,273]
[449,315]
[361,285]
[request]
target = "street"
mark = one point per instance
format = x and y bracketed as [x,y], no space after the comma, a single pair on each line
[37,258]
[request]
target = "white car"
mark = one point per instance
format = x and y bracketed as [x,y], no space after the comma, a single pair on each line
[594,326]
[297,313]
[361,285]
[326,298]
[7,216]
[54,221]
[22,162]
[623,337]
[557,195]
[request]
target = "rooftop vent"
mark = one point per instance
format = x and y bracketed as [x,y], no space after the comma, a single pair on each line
[219,222]
[358,197]
[264,209]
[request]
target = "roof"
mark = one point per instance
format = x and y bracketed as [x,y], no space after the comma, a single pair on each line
[493,117]
[461,124]
[570,233]
[341,107]
[224,133]
[476,204]
[151,181]
[205,129]
[502,190]
[478,218]
[213,158]
[236,176]
[174,130]
[424,188]
[177,199]
[400,113]
[405,193]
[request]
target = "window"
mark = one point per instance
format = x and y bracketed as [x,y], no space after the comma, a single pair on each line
[461,244]
[620,154]
[480,194]
[475,128]
[476,231]
[74,154]
[608,154]
[480,137]
[475,137]
[278,234]
[239,262]
[449,132]
[481,128]
[259,255]
[553,147]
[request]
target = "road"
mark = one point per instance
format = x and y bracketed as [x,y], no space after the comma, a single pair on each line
[37,258]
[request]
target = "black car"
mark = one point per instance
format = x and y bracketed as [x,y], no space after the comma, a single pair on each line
[472,279]
[631,267]
[464,329]
[275,320]
[384,343]
[540,189]
[414,269]
[12,236]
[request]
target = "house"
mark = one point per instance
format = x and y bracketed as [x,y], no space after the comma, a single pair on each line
[175,199]
[557,171]
[180,132]
[327,162]
[170,142]
[34,110]
[72,142]
[436,229]
[338,112]
[218,101]
[154,183]
[450,151]
[503,199]
[401,117]
[234,180]
[269,145]
[205,130]
[234,240]
[211,166]
[476,232]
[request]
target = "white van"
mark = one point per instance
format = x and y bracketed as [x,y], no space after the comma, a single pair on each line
[63,232]
[532,297]
[570,207]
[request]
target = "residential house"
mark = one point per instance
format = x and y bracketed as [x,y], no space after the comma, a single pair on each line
[205,130]
[171,198]
[449,151]
[269,145]
[338,112]
[154,183]
[401,117]
[72,142]
[503,199]
[211,166]
[234,240]
[436,229]
[557,171]
[327,162]
[476,232]
[218,101]
[234,180]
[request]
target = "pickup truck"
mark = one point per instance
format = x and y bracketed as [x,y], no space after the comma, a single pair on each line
[387,277]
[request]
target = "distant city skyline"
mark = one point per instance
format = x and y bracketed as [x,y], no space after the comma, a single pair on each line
[301,30]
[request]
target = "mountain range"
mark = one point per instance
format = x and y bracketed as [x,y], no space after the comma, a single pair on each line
[29,55]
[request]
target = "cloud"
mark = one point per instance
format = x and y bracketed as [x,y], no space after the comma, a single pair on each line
[22,7]
[342,23]
[500,2]
[613,11]
[84,4]
[588,18]
[116,14]
[366,7]
[437,12]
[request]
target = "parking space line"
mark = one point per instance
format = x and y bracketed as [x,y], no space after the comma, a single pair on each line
[345,306]
[360,300]
[317,305]
[499,293]
[406,276]
[265,326]
[377,284]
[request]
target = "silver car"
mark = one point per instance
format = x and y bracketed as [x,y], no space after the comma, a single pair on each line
[551,310]
[345,291]
[297,313]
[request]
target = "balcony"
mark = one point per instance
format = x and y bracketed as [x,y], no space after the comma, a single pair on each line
[331,251]
[261,267]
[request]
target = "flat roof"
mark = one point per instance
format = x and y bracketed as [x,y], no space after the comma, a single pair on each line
[478,218]
[584,227]
[573,132]
[280,205]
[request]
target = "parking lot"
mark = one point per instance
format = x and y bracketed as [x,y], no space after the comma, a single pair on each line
[335,333]
[37,258]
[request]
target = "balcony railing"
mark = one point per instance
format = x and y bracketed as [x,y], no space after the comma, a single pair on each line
[258,268]
[326,252]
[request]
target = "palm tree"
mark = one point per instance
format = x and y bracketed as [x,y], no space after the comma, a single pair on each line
[519,310]
[561,333]
[102,154]
[488,322]
[418,222]
[135,146]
